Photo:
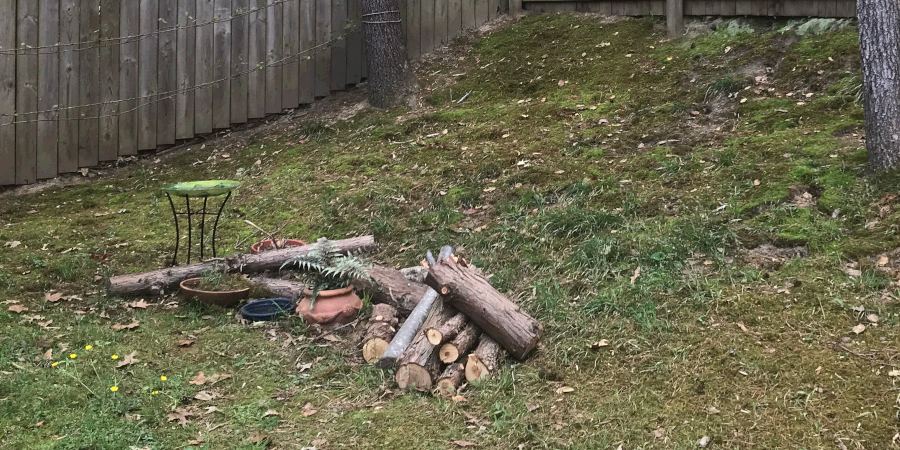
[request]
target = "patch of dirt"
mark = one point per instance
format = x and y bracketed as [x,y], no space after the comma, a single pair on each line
[770,257]
[803,196]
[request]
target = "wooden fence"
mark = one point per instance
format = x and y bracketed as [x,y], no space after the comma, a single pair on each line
[769,8]
[87,81]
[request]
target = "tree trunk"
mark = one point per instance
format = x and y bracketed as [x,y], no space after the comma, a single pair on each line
[392,287]
[484,361]
[496,315]
[451,379]
[463,342]
[419,364]
[158,282]
[379,332]
[879,44]
[447,330]
[391,79]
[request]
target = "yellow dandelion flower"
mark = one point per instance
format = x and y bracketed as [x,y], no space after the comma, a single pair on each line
[88,347]
[114,357]
[163,378]
[55,363]
[73,356]
[154,393]
[114,388]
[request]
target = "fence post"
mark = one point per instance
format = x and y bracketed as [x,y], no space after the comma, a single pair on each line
[675,17]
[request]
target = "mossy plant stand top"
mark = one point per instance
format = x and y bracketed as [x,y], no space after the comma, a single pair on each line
[198,190]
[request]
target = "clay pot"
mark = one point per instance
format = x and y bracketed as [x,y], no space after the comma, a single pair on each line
[266,245]
[217,298]
[332,308]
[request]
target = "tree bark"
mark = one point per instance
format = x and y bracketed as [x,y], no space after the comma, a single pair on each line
[158,282]
[379,332]
[484,361]
[452,378]
[419,365]
[392,287]
[391,78]
[879,44]
[447,330]
[463,342]
[496,315]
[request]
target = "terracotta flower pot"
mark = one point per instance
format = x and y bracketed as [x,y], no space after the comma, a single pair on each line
[217,298]
[332,308]
[266,245]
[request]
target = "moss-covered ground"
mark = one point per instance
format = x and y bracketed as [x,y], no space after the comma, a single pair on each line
[702,204]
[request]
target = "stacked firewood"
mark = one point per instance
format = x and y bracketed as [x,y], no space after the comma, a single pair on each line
[459,330]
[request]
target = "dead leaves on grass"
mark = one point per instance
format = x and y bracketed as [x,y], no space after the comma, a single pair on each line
[17,308]
[181,415]
[120,327]
[128,360]
[200,379]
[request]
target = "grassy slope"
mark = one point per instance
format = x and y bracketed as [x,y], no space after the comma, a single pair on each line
[560,206]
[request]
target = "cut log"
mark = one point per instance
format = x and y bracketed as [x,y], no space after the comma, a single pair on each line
[451,379]
[161,281]
[470,292]
[485,360]
[390,286]
[379,332]
[280,288]
[447,330]
[411,327]
[419,365]
[416,274]
[463,342]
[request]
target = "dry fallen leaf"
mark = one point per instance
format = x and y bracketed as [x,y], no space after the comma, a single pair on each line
[561,83]
[600,344]
[308,410]
[462,443]
[894,373]
[120,327]
[859,329]
[713,410]
[128,360]
[12,244]
[211,409]
[181,415]
[185,343]
[256,438]
[459,398]
[659,433]
[637,273]
[201,378]
[883,261]
[205,396]
[872,317]
[271,412]
[53,297]
[17,308]
[142,304]
[48,355]
[565,390]
[197,441]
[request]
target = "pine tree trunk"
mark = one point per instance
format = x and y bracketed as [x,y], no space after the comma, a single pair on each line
[391,79]
[879,43]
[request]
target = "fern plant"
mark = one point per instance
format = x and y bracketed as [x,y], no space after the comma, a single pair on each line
[326,267]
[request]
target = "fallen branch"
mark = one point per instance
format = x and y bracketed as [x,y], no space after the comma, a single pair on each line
[419,366]
[379,332]
[391,286]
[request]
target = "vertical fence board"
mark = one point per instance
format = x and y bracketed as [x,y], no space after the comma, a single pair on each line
[274,50]
[109,79]
[414,33]
[322,53]
[658,7]
[743,7]
[147,62]
[7,92]
[354,41]
[26,91]
[830,7]
[468,14]
[481,12]
[166,77]
[48,90]
[339,46]
[426,26]
[128,79]
[454,19]
[203,71]
[256,59]
[728,8]
[307,77]
[89,128]
[185,61]
[440,22]
[290,97]
[221,90]
[240,55]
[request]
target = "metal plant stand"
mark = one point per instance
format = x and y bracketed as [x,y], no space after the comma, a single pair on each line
[201,190]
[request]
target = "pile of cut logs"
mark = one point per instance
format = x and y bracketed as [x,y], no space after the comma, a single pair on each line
[459,330]
[457,326]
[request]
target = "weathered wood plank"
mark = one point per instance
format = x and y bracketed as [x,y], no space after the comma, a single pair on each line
[339,47]
[776,8]
[307,69]
[414,33]
[743,7]
[186,55]
[166,75]
[256,55]
[240,55]
[617,8]
[440,22]
[128,80]
[728,8]
[148,67]
[468,14]
[89,128]
[354,40]
[7,93]
[658,7]
[713,7]
[323,48]
[221,92]
[203,71]
[426,26]
[454,19]
[110,16]
[26,92]
[48,90]
[481,12]
[290,85]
